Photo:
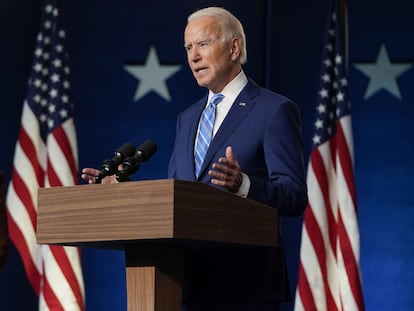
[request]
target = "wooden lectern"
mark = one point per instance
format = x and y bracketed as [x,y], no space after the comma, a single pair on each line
[154,223]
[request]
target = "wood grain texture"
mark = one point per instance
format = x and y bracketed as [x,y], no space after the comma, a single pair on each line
[112,215]
[154,275]
[153,222]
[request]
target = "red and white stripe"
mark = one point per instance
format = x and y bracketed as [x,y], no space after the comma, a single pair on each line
[53,271]
[329,276]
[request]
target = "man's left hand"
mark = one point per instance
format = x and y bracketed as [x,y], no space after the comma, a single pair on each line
[227,172]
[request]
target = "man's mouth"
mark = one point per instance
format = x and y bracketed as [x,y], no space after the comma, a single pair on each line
[200,69]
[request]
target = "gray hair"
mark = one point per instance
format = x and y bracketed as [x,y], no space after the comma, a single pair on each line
[229,24]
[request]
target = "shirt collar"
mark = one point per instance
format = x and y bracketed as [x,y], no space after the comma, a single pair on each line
[233,88]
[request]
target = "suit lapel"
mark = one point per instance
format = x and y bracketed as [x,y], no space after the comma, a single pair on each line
[192,133]
[238,111]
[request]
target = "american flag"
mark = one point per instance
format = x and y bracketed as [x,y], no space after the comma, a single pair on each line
[329,274]
[46,156]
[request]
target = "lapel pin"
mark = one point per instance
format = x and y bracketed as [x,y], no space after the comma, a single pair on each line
[242,104]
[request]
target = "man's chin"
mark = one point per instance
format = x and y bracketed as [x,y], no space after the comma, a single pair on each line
[205,81]
[202,83]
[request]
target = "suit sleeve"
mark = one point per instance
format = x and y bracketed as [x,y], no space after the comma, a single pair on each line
[285,186]
[171,165]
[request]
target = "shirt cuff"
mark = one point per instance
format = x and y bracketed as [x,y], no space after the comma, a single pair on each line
[244,187]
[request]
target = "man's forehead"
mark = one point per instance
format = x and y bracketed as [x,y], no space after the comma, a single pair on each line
[202,29]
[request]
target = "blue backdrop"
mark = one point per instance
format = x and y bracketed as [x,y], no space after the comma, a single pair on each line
[284,53]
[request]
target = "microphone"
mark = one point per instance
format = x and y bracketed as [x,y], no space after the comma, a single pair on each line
[131,164]
[110,167]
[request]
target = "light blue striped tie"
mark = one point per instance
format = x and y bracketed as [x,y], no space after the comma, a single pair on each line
[205,131]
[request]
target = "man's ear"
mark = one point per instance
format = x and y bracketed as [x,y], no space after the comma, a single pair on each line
[235,48]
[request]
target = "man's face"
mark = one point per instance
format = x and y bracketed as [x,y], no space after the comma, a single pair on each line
[210,58]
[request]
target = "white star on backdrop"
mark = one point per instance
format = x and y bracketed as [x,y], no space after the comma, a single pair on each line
[383,74]
[152,76]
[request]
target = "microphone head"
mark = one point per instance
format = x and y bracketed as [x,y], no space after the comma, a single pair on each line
[132,163]
[110,166]
[147,149]
[126,150]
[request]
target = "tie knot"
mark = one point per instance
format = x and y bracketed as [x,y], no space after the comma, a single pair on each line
[216,99]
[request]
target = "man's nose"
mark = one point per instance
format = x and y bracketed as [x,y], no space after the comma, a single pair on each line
[195,54]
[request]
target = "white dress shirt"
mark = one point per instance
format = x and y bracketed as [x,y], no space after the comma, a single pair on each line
[230,92]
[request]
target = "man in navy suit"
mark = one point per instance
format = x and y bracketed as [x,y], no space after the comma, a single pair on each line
[256,151]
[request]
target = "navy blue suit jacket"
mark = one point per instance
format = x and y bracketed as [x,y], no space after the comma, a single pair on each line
[263,128]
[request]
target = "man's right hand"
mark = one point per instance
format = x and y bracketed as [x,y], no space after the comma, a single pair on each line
[89,175]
